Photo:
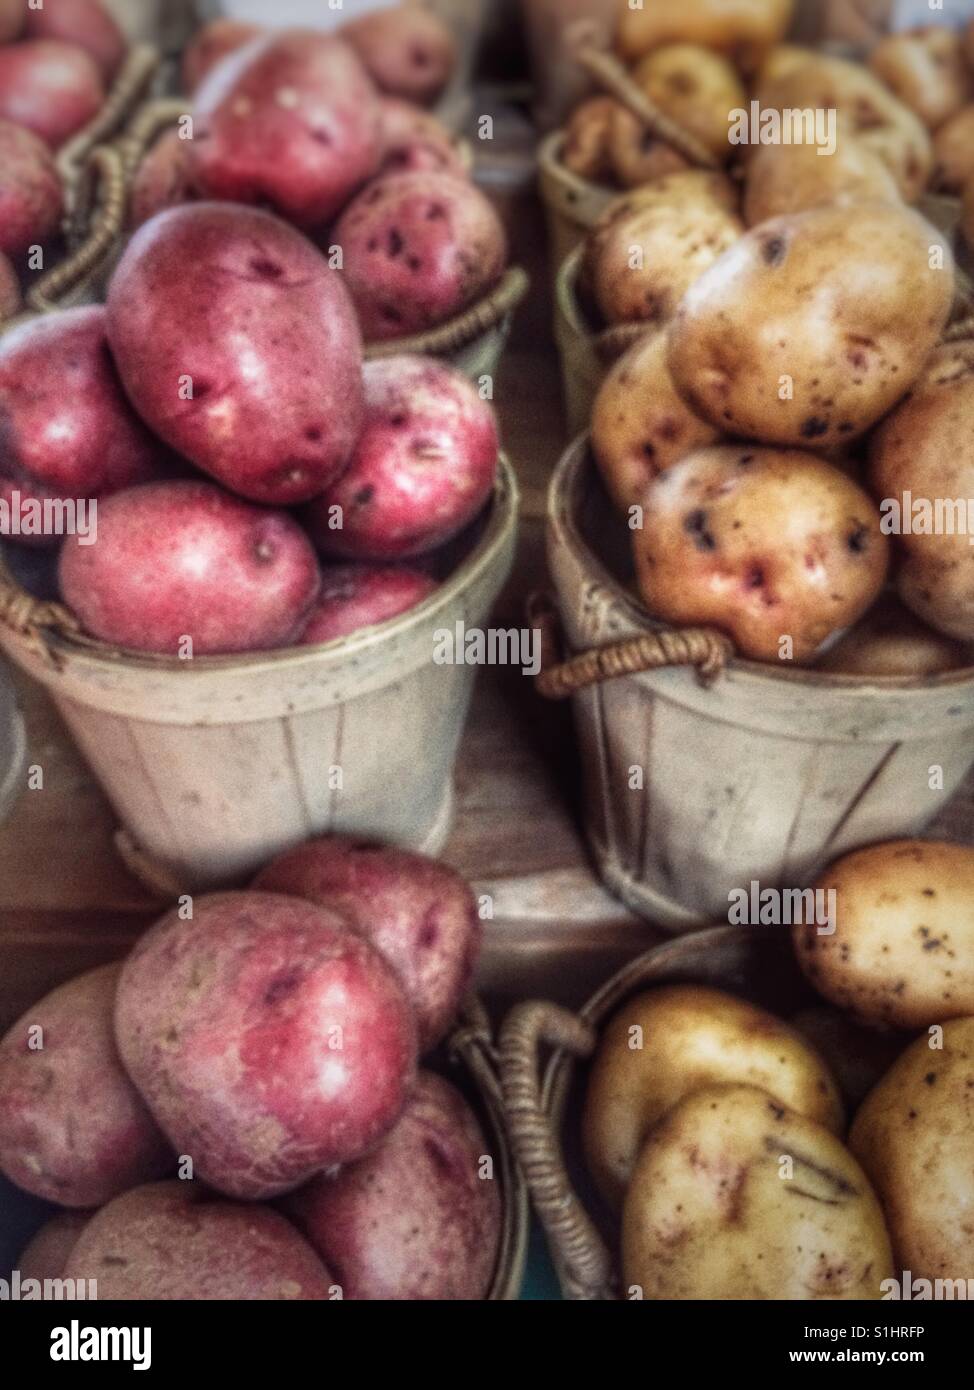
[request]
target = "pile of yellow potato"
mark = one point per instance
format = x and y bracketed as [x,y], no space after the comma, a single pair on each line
[717,1133]
[790,436]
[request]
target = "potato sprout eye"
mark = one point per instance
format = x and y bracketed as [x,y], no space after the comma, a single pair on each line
[774,250]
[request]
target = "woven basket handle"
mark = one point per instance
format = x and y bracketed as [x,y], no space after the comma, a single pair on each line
[133,79]
[149,122]
[584,1263]
[104,166]
[473,1043]
[613,77]
[704,648]
[449,337]
[29,616]
[613,342]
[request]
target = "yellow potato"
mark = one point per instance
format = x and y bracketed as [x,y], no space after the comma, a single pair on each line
[743,29]
[586,148]
[922,458]
[647,259]
[953,147]
[785,179]
[696,88]
[668,1043]
[686,189]
[926,70]
[914,1136]
[635,155]
[902,953]
[734,1196]
[866,109]
[783,59]
[776,547]
[811,327]
[890,641]
[640,426]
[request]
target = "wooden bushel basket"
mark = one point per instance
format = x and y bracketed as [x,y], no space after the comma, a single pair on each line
[467,20]
[764,774]
[573,205]
[542,1097]
[214,765]
[469,1062]
[582,369]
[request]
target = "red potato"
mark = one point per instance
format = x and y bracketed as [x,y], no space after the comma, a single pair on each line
[414,140]
[73,1128]
[238,345]
[214,42]
[417,249]
[173,1241]
[50,87]
[359,596]
[84,23]
[422,470]
[184,560]
[66,427]
[291,121]
[12,16]
[162,180]
[31,197]
[46,1256]
[268,1039]
[9,289]
[407,51]
[417,1219]
[420,914]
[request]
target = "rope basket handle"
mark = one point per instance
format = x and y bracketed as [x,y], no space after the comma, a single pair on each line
[31,618]
[472,1043]
[133,79]
[104,166]
[457,332]
[704,648]
[585,1267]
[612,343]
[613,77]
[149,121]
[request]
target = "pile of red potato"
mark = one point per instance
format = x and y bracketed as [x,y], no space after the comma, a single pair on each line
[223,383]
[235,1111]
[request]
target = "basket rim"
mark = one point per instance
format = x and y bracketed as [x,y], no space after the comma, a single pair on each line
[613,991]
[550,160]
[570,473]
[499,528]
